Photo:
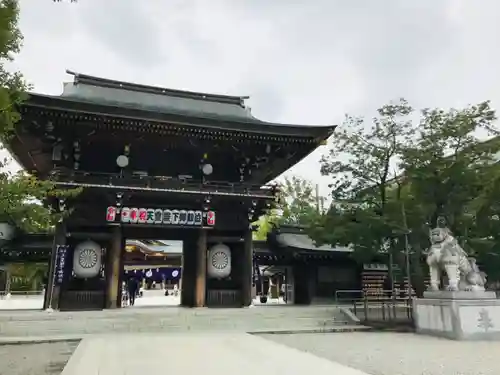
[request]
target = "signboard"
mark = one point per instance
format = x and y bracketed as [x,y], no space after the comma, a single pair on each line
[159,216]
[256,273]
[375,267]
[62,251]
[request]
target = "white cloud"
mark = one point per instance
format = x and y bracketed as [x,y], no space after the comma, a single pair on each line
[301,61]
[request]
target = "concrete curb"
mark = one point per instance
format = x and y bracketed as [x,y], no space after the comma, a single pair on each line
[343,329]
[37,340]
[349,314]
[78,338]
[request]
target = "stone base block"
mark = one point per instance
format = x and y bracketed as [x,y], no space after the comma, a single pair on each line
[458,319]
[446,294]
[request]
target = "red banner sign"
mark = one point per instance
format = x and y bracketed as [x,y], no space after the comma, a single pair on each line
[133,215]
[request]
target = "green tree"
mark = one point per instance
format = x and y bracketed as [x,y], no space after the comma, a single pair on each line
[362,163]
[264,226]
[299,204]
[21,198]
[446,165]
[19,192]
[12,85]
[445,169]
[480,225]
[27,277]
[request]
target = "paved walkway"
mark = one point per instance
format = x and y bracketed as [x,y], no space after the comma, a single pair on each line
[386,353]
[209,354]
[151,298]
[173,319]
[35,302]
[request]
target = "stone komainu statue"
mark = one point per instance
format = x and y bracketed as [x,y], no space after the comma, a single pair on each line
[446,254]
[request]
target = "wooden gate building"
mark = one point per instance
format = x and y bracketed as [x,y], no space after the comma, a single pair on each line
[154,163]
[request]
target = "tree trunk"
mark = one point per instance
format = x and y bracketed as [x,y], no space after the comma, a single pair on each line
[8,277]
[418,274]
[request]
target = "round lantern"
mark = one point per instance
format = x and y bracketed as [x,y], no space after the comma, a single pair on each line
[87,260]
[219,261]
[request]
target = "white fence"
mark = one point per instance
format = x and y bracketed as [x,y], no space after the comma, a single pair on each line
[22,300]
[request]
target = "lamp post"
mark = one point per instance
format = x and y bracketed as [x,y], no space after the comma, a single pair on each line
[407,251]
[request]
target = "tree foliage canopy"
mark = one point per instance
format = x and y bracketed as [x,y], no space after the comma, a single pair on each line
[393,178]
[299,204]
[20,193]
[364,156]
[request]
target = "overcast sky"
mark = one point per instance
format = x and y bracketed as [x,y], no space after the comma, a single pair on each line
[301,61]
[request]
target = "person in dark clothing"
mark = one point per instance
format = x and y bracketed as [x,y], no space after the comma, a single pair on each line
[132,290]
[388,287]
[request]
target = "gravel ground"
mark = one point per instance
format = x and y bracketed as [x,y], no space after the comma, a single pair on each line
[35,359]
[383,353]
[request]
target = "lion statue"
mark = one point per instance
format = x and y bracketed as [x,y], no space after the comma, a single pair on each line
[446,254]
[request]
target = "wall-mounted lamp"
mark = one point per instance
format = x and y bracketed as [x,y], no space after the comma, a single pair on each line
[207,169]
[62,204]
[122,161]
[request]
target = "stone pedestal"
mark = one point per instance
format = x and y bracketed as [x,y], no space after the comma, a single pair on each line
[458,315]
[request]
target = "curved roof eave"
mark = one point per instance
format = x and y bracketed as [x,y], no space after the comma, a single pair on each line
[208,121]
[304,242]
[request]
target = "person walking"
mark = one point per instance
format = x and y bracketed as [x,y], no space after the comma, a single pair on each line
[388,287]
[132,290]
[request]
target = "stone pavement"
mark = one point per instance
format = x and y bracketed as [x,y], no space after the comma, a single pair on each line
[390,353]
[35,359]
[43,324]
[190,353]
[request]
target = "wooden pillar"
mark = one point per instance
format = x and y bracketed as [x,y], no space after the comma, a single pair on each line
[52,291]
[121,274]
[188,272]
[302,279]
[246,270]
[201,269]
[113,271]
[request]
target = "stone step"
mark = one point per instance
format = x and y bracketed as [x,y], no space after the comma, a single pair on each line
[272,310]
[180,320]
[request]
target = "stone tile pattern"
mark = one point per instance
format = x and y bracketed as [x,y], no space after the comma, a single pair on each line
[380,353]
[170,319]
[35,359]
[194,353]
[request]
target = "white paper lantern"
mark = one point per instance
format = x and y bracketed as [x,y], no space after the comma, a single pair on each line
[219,261]
[122,161]
[87,260]
[207,169]
[6,232]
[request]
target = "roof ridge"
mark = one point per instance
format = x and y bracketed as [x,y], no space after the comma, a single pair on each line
[110,83]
